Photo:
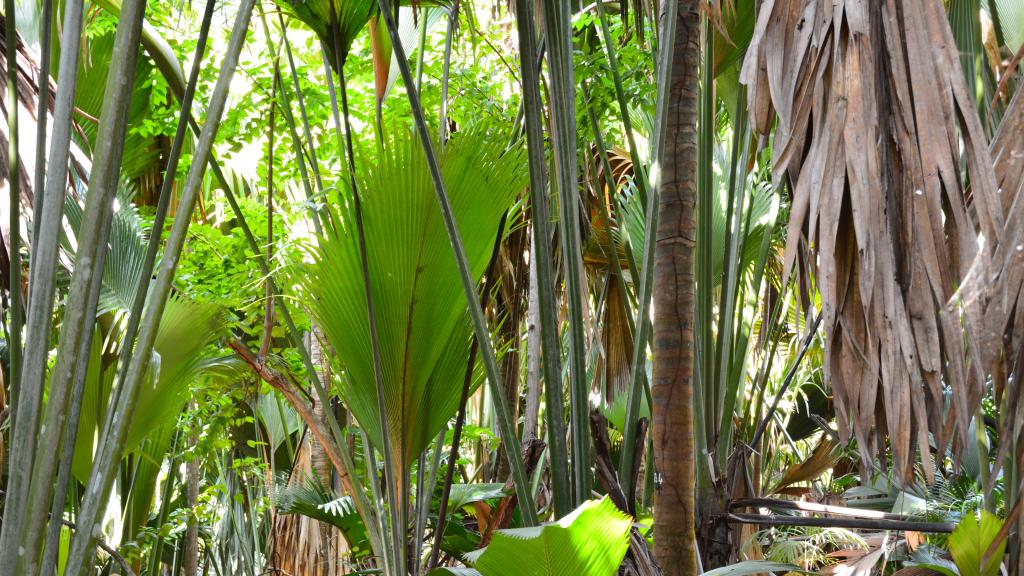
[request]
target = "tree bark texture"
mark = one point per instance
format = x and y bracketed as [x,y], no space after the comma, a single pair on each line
[674,295]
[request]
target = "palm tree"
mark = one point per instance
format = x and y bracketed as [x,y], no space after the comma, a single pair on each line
[674,289]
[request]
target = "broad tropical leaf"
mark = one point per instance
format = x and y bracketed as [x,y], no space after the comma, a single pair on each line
[421,311]
[123,264]
[466,494]
[971,539]
[591,541]
[185,330]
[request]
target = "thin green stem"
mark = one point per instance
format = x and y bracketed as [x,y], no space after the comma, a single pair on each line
[286,108]
[620,95]
[42,114]
[449,38]
[550,348]
[558,31]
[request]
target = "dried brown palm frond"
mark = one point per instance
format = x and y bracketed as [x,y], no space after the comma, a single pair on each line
[28,102]
[874,125]
[616,341]
[992,294]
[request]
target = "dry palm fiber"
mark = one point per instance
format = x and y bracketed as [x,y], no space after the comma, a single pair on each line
[992,294]
[872,117]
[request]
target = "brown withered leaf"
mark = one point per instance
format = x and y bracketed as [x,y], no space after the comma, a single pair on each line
[876,135]
[822,458]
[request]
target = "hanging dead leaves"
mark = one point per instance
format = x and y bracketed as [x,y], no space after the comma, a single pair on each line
[877,137]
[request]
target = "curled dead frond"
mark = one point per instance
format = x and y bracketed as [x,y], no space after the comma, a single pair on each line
[872,119]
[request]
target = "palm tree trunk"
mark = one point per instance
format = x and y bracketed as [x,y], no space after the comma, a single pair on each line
[674,289]
[300,545]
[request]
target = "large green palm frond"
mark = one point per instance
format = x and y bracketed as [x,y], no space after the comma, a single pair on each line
[422,322]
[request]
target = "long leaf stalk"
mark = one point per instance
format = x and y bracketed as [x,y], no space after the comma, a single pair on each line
[446,68]
[620,96]
[790,374]
[80,312]
[541,238]
[116,427]
[70,434]
[156,549]
[16,308]
[377,493]
[425,484]
[42,115]
[558,32]
[314,163]
[396,553]
[286,109]
[704,397]
[42,287]
[51,547]
[422,48]
[726,386]
[268,286]
[646,270]
[506,427]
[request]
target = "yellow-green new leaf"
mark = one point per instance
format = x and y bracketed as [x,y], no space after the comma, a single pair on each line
[590,541]
[972,539]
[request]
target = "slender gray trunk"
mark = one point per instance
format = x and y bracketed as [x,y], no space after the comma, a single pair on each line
[116,427]
[531,411]
[42,287]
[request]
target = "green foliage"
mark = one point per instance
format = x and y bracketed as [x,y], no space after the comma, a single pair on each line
[466,494]
[336,22]
[421,311]
[312,499]
[972,539]
[148,116]
[591,541]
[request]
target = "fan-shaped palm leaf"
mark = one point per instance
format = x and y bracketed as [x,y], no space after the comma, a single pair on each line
[758,209]
[314,500]
[123,265]
[421,311]
[336,22]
